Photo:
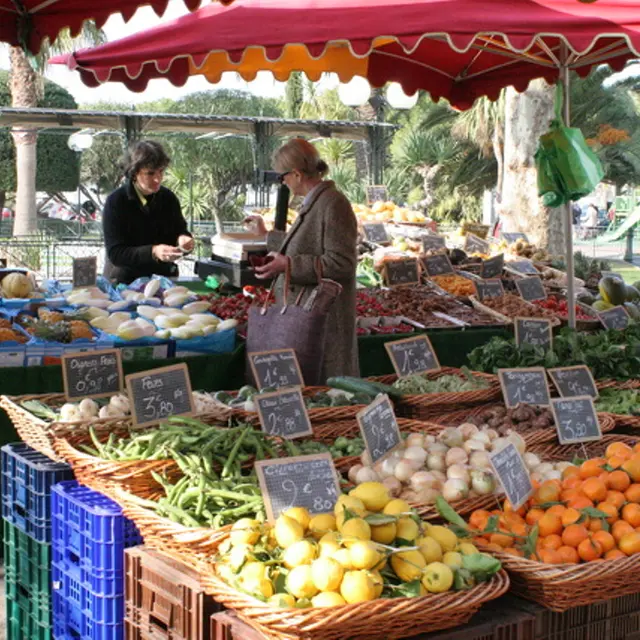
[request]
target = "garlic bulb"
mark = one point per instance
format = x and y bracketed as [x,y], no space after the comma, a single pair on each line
[88,407]
[366,474]
[69,413]
[353,471]
[121,403]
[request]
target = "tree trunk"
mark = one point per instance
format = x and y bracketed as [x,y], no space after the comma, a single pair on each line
[527,117]
[24,93]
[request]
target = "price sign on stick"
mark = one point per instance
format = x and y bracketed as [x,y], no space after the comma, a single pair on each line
[524,266]
[277,369]
[302,481]
[524,385]
[513,474]
[531,288]
[379,428]
[492,267]
[574,381]
[437,265]
[284,414]
[473,244]
[85,272]
[534,331]
[433,242]
[377,193]
[514,237]
[615,318]
[489,288]
[399,272]
[95,374]
[159,394]
[412,355]
[376,233]
[576,419]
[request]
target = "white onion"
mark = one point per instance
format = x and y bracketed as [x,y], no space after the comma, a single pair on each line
[424,479]
[353,471]
[531,460]
[479,460]
[416,465]
[482,436]
[561,466]
[409,496]
[451,437]
[393,485]
[365,458]
[458,471]
[415,440]
[456,456]
[415,453]
[518,441]
[544,468]
[482,482]
[367,474]
[473,445]
[428,440]
[438,447]
[499,444]
[426,495]
[552,475]
[455,489]
[467,429]
[396,455]
[439,475]
[387,467]
[403,471]
[435,462]
[492,433]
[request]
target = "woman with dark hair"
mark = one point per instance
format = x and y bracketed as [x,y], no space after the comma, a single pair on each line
[144,230]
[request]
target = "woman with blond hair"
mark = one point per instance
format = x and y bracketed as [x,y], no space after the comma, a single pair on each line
[325,231]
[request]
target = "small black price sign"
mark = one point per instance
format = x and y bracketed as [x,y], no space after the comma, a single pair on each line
[531,288]
[283,414]
[377,193]
[400,272]
[433,242]
[614,318]
[576,419]
[302,481]
[412,355]
[379,428]
[528,385]
[492,267]
[574,381]
[437,265]
[514,237]
[159,394]
[376,233]
[513,474]
[534,331]
[473,244]
[524,266]
[275,369]
[95,374]
[85,272]
[489,288]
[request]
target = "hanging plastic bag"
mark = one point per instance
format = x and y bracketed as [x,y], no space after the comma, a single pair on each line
[567,168]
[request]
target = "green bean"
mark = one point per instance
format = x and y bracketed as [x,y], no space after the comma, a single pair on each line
[226,470]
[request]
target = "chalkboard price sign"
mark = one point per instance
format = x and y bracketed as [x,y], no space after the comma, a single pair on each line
[514,237]
[524,385]
[399,272]
[614,318]
[379,428]
[437,265]
[473,244]
[302,481]
[376,233]
[158,394]
[412,355]
[489,288]
[576,419]
[574,381]
[85,271]
[433,242]
[95,374]
[531,288]
[534,331]
[276,369]
[377,193]
[284,414]
[524,266]
[513,474]
[492,267]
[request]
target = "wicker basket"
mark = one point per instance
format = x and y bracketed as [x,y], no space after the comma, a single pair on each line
[555,322]
[559,453]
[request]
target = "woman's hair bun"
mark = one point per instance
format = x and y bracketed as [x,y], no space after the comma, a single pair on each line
[322,167]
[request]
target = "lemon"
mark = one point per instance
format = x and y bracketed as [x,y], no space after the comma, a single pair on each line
[327,599]
[300,515]
[352,503]
[301,552]
[327,574]
[239,555]
[430,549]
[253,571]
[374,495]
[343,556]
[396,507]
[321,524]
[407,529]
[245,531]
[364,555]
[357,586]
[225,572]
[452,559]
[329,544]
[447,540]
[284,600]
[467,549]
[384,533]
[378,582]
[300,582]
[288,531]
[437,577]
[355,529]
[408,565]
[259,587]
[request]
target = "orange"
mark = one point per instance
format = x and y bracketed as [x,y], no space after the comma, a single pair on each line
[550,556]
[548,524]
[613,554]
[574,534]
[512,551]
[554,541]
[636,447]
[630,543]
[568,554]
[570,471]
[618,449]
[606,540]
[592,468]
[616,498]
[620,529]
[478,519]
[594,489]
[632,494]
[618,481]
[572,482]
[533,515]
[548,491]
[631,513]
[509,509]
[557,510]
[570,516]
[610,510]
[596,525]
[579,503]
[589,550]
[492,546]
[501,540]
[632,467]
[616,462]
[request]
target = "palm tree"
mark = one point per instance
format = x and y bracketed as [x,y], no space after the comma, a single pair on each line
[26,91]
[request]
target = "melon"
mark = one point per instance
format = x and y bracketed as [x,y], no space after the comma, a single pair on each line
[601,305]
[16,285]
[632,293]
[632,310]
[612,290]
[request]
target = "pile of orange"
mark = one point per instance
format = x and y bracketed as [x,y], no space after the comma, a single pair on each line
[592,514]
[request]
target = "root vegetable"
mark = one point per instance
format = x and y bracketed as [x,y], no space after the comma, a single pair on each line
[424,480]
[518,441]
[531,460]
[473,445]
[468,429]
[482,436]
[393,485]
[435,462]
[479,460]
[366,474]
[456,455]
[451,437]
[438,447]
[426,495]
[455,489]
[439,475]
[482,482]
[387,467]
[458,471]
[415,440]
[415,453]
[403,471]
[353,471]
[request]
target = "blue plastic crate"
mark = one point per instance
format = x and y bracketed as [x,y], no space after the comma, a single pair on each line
[27,478]
[70,622]
[89,530]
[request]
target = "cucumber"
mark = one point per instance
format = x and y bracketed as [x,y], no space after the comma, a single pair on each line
[358,385]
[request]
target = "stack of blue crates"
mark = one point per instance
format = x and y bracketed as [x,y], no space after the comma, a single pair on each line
[89,536]
[27,479]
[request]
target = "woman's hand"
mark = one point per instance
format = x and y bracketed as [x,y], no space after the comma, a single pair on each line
[166,253]
[186,243]
[255,223]
[273,268]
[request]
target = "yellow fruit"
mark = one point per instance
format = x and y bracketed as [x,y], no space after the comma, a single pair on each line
[300,515]
[253,571]
[288,531]
[467,549]
[364,555]
[238,556]
[298,553]
[407,529]
[355,529]
[327,599]
[443,536]
[353,504]
[384,533]
[321,524]
[408,565]
[262,587]
[430,549]
[437,577]
[357,586]
[329,544]
[452,559]
[245,531]
[300,582]
[374,495]
[396,507]
[284,600]
[326,574]
[378,582]
[343,556]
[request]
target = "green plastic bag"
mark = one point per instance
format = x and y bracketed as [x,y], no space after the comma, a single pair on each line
[567,168]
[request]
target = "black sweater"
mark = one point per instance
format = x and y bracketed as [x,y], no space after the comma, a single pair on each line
[131,230]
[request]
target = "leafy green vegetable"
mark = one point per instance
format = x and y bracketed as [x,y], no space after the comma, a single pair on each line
[621,401]
[418,384]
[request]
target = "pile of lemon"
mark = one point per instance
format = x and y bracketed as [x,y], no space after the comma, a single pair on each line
[370,542]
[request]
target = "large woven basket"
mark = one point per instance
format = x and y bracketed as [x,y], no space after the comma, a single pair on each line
[549,452]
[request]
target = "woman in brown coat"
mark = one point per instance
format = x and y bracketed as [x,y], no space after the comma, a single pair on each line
[326,228]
